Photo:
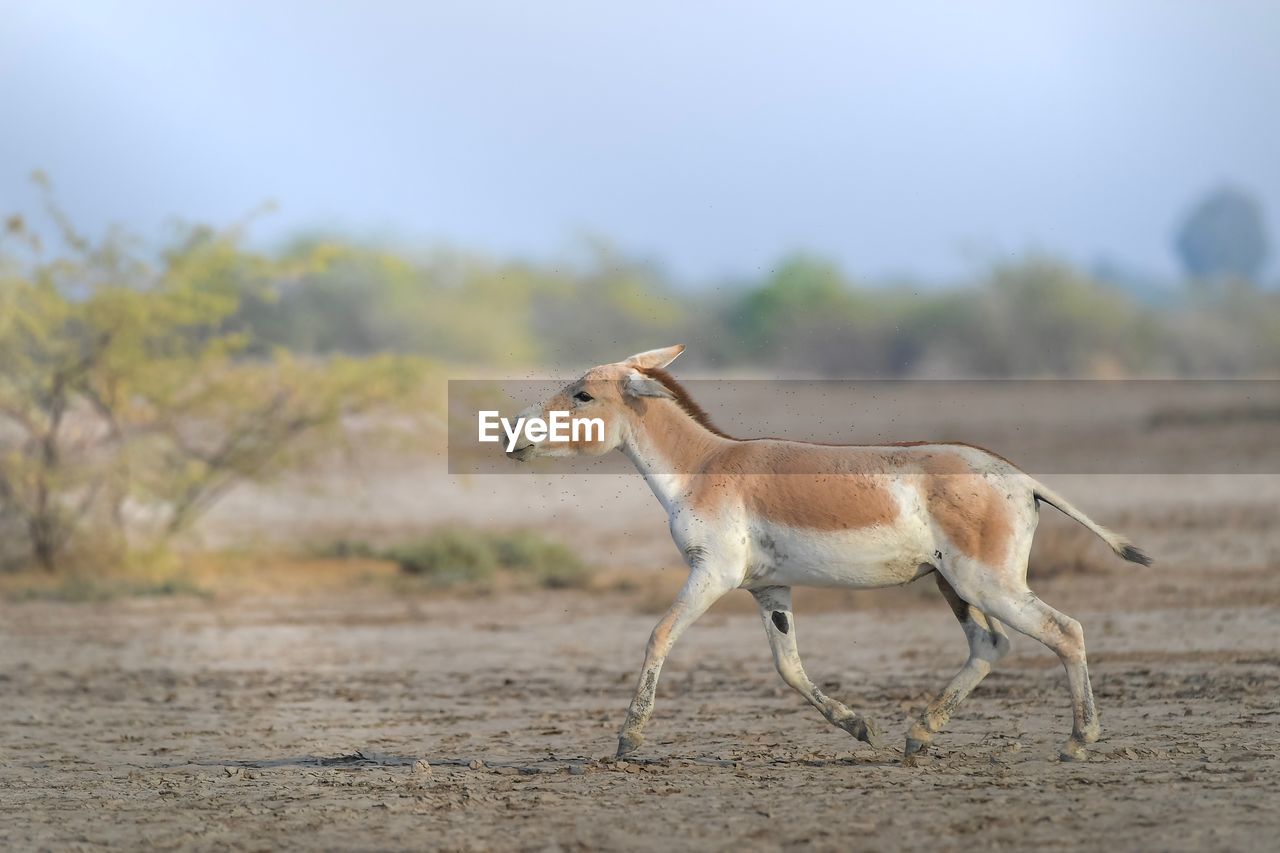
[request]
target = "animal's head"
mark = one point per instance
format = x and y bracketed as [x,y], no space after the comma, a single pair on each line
[603,402]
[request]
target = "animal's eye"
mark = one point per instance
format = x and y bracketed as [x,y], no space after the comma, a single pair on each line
[583,397]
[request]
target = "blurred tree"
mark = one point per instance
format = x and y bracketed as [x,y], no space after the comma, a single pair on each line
[604,307]
[451,305]
[121,385]
[807,317]
[802,286]
[1042,317]
[801,317]
[1224,237]
[1229,331]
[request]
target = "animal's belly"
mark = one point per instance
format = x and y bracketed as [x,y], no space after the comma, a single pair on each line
[876,556]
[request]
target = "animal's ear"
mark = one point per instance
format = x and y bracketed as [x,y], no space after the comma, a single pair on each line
[655,357]
[639,385]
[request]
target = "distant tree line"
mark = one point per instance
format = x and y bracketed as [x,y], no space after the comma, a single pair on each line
[138,387]
[1035,317]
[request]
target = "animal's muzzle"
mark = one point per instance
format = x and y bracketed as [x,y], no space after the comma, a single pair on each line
[520,454]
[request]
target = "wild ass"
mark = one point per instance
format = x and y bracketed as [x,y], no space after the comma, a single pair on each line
[767,514]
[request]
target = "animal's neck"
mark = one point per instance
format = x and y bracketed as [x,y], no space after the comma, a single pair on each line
[668,447]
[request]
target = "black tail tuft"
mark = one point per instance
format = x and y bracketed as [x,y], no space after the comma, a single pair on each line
[1134,554]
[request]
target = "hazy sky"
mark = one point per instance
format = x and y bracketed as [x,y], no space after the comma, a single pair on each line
[903,137]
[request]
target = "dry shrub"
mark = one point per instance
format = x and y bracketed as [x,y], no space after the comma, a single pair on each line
[480,559]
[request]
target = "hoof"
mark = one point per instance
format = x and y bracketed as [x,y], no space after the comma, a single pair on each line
[919,759]
[1091,735]
[1073,750]
[863,729]
[914,747]
[628,742]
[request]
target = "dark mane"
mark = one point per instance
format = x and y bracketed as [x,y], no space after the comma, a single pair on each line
[683,400]
[700,416]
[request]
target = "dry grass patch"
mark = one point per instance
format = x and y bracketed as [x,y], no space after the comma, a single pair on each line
[469,559]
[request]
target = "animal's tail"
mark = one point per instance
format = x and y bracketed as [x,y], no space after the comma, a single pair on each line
[1118,543]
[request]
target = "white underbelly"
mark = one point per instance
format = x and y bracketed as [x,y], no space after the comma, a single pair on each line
[876,556]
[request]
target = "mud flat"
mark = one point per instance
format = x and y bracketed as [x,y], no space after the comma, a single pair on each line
[304,721]
[360,719]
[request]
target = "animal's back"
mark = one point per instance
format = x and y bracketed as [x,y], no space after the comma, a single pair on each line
[841,487]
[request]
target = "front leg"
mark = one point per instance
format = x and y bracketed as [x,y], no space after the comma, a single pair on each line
[780,625]
[703,588]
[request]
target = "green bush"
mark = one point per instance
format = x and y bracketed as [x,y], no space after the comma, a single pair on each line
[460,555]
[448,556]
[551,564]
[346,549]
[80,588]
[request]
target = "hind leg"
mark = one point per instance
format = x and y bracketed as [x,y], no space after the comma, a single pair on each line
[1026,613]
[987,644]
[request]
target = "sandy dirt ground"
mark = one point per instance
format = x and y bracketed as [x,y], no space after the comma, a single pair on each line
[366,722]
[359,718]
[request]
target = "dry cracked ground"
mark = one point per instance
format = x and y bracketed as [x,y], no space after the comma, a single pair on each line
[360,719]
[370,722]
